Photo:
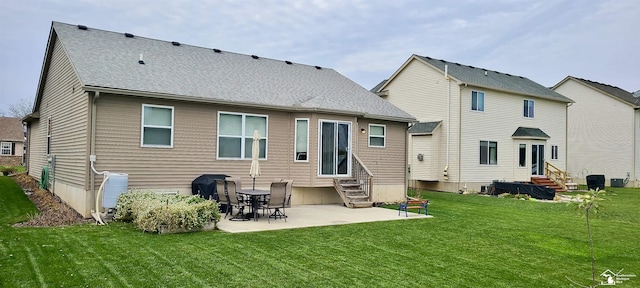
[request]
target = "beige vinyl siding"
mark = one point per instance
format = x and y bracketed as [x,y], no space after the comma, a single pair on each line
[194,150]
[430,168]
[387,164]
[422,91]
[601,133]
[66,103]
[503,114]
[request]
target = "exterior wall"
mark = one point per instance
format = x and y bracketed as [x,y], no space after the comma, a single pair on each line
[16,158]
[429,169]
[66,103]
[422,92]
[503,114]
[194,150]
[602,134]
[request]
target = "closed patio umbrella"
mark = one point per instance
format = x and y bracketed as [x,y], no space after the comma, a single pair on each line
[255,154]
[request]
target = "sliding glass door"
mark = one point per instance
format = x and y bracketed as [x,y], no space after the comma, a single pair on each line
[335,148]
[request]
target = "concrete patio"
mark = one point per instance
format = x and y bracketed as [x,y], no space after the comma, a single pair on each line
[316,215]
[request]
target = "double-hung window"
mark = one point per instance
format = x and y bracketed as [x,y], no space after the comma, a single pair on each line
[522,155]
[477,101]
[377,135]
[235,135]
[48,135]
[528,109]
[5,148]
[554,152]
[157,126]
[488,153]
[302,140]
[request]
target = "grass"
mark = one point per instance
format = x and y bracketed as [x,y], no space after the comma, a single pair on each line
[472,241]
[16,169]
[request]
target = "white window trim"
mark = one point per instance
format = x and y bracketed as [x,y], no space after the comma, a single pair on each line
[384,136]
[3,148]
[534,109]
[142,126]
[483,101]
[295,140]
[242,147]
[349,164]
[525,156]
[48,144]
[489,153]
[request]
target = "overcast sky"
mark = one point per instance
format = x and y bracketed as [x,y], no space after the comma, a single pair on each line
[364,40]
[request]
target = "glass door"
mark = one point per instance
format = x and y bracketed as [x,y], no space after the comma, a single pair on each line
[335,144]
[537,159]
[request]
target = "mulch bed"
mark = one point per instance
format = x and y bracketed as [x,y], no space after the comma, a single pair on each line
[53,211]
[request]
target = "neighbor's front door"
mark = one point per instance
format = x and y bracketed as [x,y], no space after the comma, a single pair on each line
[335,147]
[537,159]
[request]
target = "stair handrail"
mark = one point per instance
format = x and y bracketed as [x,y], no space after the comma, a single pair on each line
[362,174]
[556,175]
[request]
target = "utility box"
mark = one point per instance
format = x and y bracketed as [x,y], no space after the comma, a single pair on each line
[617,182]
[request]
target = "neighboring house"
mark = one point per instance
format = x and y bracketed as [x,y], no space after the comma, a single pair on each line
[604,131]
[165,113]
[11,141]
[476,125]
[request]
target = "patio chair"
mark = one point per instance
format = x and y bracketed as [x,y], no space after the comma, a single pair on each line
[233,185]
[277,200]
[223,196]
[289,189]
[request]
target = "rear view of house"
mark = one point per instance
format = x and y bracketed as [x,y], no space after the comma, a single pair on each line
[165,113]
[604,132]
[477,125]
[11,141]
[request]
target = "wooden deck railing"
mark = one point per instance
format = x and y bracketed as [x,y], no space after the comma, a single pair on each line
[555,174]
[360,172]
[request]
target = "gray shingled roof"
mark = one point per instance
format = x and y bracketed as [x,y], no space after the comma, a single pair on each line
[110,60]
[530,133]
[611,90]
[496,80]
[424,127]
[11,129]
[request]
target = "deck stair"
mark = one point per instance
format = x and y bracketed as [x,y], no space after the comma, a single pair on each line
[544,181]
[352,193]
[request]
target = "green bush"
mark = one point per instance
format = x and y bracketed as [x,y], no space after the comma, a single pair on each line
[154,212]
[7,170]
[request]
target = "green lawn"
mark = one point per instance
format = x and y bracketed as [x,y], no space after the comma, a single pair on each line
[472,241]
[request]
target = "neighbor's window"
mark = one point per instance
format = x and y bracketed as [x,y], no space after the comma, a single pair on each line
[554,152]
[528,108]
[377,134]
[302,140]
[522,155]
[6,148]
[489,152]
[157,126]
[48,136]
[235,135]
[477,101]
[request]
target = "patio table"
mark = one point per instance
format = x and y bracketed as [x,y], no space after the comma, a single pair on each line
[254,195]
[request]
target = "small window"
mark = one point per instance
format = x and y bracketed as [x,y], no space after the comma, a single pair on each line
[554,152]
[377,135]
[522,155]
[5,148]
[157,126]
[477,101]
[488,153]
[235,135]
[48,135]
[302,140]
[528,108]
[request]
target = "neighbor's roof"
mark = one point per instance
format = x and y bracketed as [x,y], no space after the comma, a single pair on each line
[425,128]
[11,129]
[486,78]
[104,59]
[530,133]
[614,91]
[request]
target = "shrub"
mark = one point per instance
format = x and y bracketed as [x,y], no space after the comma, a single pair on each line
[7,170]
[154,212]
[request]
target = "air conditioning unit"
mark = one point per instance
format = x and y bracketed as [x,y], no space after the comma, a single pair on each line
[617,182]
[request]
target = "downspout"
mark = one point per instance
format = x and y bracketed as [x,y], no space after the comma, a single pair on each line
[446,77]
[460,135]
[92,144]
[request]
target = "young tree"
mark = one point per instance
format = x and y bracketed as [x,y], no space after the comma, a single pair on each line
[588,202]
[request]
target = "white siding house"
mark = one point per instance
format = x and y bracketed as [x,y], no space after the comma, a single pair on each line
[603,131]
[476,125]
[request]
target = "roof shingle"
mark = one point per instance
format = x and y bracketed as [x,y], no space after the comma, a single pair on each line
[11,129]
